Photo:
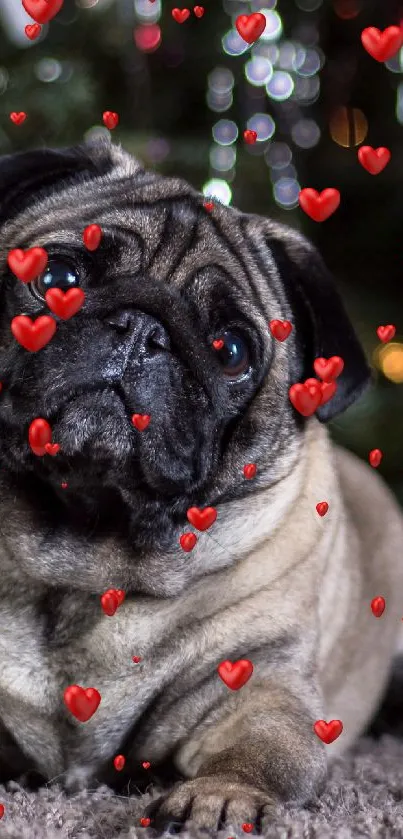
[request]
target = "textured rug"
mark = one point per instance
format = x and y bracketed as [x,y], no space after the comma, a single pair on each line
[363,798]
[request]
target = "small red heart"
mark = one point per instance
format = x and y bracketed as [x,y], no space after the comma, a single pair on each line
[52,449]
[218,344]
[18,118]
[145,822]
[378,606]
[374,160]
[2,810]
[65,304]
[382,45]
[141,421]
[33,335]
[120,594]
[247,827]
[92,236]
[386,333]
[306,397]
[119,762]
[32,30]
[322,508]
[375,457]
[235,674]
[39,436]
[319,205]
[280,329]
[109,602]
[64,485]
[180,15]
[251,27]
[27,265]
[209,206]
[188,541]
[136,658]
[82,702]
[328,390]
[250,136]
[201,519]
[328,731]
[328,368]
[199,11]
[146,764]
[249,470]
[110,119]
[42,10]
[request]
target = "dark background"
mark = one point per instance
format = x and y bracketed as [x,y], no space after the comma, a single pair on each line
[87,61]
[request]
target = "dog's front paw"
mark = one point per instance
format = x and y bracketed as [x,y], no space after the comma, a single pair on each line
[209,803]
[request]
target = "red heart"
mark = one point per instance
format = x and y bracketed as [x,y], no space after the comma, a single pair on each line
[145,822]
[32,30]
[33,335]
[42,10]
[328,731]
[250,136]
[218,344]
[141,421]
[328,390]
[52,448]
[373,160]
[119,762]
[280,329]
[386,333]
[18,118]
[199,11]
[247,827]
[109,602]
[249,470]
[328,368]
[322,508]
[180,15]
[39,436]
[110,119]
[202,519]
[382,45]
[378,606]
[188,541]
[120,594]
[319,205]
[306,397]
[235,674]
[209,206]
[92,236]
[251,27]
[64,485]
[65,304]
[2,810]
[82,702]
[26,265]
[136,658]
[375,457]
[146,764]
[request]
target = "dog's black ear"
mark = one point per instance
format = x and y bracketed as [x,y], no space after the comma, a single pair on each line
[321,323]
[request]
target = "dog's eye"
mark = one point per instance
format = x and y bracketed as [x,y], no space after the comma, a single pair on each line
[233,355]
[58,274]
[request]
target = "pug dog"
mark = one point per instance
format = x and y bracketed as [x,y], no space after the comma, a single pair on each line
[174,328]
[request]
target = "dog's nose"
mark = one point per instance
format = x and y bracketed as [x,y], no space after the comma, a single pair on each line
[150,331]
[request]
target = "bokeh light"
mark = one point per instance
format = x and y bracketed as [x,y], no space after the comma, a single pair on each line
[280,86]
[222,158]
[225,132]
[258,70]
[278,155]
[390,360]
[306,133]
[233,44]
[274,25]
[264,126]
[286,192]
[147,38]
[348,127]
[218,189]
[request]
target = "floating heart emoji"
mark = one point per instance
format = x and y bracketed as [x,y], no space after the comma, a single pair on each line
[251,27]
[382,45]
[378,606]
[145,822]
[119,762]
[235,674]
[39,436]
[42,10]
[32,30]
[18,118]
[180,15]
[373,160]
[2,810]
[141,421]
[136,659]
[319,205]
[375,457]
[111,599]
[201,519]
[249,470]
[209,206]
[218,344]
[65,304]
[92,236]
[199,11]
[306,397]
[250,136]
[328,390]
[110,119]
[52,449]
[280,329]
[146,764]
[82,702]
[328,368]
[386,333]
[322,508]
[64,485]
[187,541]
[328,731]
[33,335]
[247,827]
[27,265]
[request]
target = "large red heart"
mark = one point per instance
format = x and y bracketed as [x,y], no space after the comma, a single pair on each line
[180,15]
[92,236]
[386,333]
[18,117]
[42,10]
[65,304]
[235,674]
[39,436]
[141,421]
[373,160]
[306,397]
[82,702]
[328,390]
[202,519]
[382,45]
[33,335]
[328,368]
[26,265]
[111,599]
[328,731]
[110,119]
[280,329]
[319,205]
[251,27]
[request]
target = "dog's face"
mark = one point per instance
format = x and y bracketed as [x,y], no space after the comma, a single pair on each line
[167,279]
